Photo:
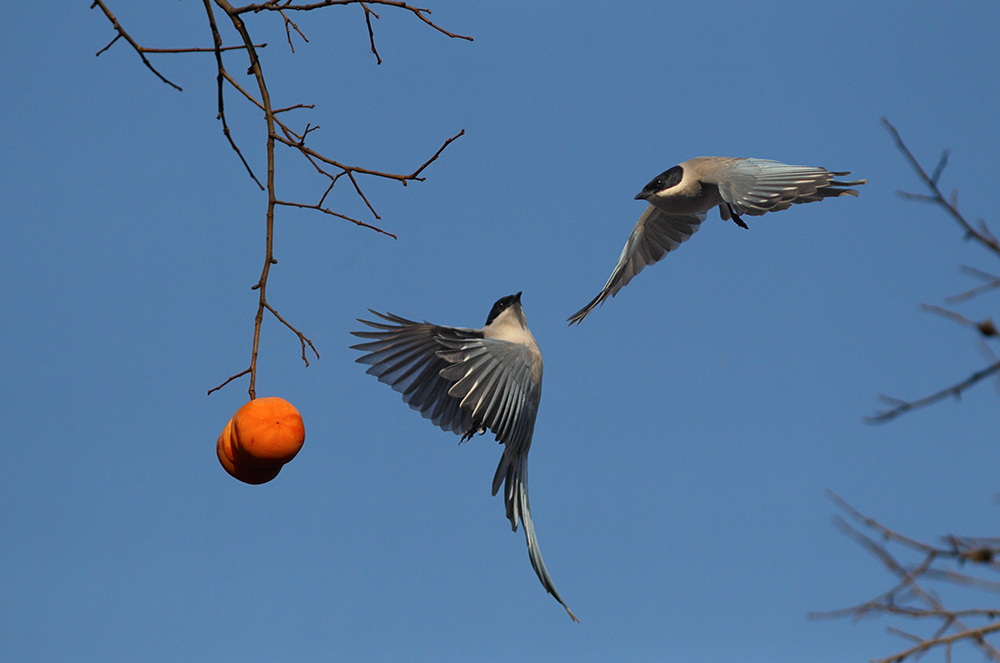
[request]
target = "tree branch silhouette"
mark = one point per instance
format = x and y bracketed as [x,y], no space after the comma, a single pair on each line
[980,234]
[281,134]
[911,599]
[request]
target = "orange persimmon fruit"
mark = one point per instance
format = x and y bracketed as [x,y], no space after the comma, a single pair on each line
[246,474]
[267,433]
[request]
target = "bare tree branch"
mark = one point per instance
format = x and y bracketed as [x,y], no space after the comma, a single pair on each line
[371,33]
[290,22]
[286,5]
[986,328]
[986,239]
[279,133]
[992,283]
[220,80]
[902,407]
[138,49]
[909,599]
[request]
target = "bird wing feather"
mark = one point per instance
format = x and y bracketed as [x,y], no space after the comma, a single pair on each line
[655,234]
[464,383]
[404,356]
[758,186]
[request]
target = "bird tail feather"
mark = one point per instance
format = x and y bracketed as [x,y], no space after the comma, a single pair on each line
[513,472]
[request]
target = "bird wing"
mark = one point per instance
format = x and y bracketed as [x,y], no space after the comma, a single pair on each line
[465,383]
[492,380]
[493,377]
[403,354]
[655,234]
[758,186]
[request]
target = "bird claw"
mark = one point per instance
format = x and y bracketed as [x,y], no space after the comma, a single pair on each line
[473,429]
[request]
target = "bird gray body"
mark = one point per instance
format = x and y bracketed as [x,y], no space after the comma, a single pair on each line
[467,381]
[680,198]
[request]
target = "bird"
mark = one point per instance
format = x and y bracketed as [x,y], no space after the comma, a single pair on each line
[680,197]
[468,381]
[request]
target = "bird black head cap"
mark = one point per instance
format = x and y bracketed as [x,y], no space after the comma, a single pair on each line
[502,305]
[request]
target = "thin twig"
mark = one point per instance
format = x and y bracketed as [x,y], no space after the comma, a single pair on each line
[419,12]
[907,598]
[231,378]
[302,337]
[992,282]
[983,236]
[336,214]
[288,34]
[286,136]
[902,407]
[985,327]
[143,49]
[220,78]
[371,33]
[951,206]
[138,49]
[974,634]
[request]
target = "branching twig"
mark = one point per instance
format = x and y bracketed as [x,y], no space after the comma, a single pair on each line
[371,33]
[908,598]
[986,327]
[286,5]
[288,34]
[902,407]
[992,282]
[125,35]
[220,79]
[318,208]
[278,133]
[931,181]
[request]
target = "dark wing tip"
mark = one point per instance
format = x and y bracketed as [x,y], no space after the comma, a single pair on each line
[578,317]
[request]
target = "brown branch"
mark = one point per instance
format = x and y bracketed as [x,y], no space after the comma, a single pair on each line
[931,181]
[986,327]
[975,634]
[288,34]
[414,176]
[293,139]
[902,407]
[336,214]
[293,107]
[908,590]
[361,193]
[302,337]
[286,136]
[371,33]
[992,283]
[327,192]
[143,49]
[419,12]
[871,523]
[231,378]
[265,99]
[982,236]
[220,79]
[138,49]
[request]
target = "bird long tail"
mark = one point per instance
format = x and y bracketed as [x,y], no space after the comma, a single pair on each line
[514,474]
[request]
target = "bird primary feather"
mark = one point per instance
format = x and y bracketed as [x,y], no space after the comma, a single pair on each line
[467,381]
[679,199]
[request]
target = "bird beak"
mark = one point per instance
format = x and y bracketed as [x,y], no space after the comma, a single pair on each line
[518,296]
[642,195]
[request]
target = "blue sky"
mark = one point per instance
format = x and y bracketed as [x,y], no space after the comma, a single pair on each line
[687,431]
